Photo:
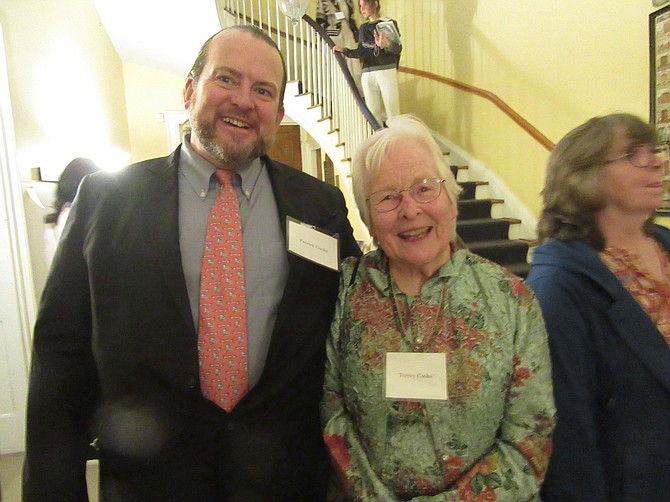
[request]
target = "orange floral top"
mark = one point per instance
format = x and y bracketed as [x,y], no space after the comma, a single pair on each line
[652,295]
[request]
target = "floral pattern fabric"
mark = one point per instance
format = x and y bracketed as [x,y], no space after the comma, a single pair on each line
[652,295]
[491,439]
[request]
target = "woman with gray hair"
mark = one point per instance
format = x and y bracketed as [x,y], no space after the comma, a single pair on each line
[437,383]
[602,278]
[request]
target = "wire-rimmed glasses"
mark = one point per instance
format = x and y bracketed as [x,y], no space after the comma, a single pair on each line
[643,155]
[422,191]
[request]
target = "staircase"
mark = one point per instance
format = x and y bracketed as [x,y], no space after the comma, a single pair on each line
[322,98]
[484,234]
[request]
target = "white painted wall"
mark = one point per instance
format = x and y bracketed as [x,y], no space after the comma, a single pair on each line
[17,299]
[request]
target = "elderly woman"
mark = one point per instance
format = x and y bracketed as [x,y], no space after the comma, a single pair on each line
[437,381]
[603,280]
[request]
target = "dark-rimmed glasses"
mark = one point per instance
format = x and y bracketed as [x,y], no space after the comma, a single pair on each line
[422,191]
[643,155]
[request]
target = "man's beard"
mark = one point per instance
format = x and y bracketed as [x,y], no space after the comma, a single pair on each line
[225,153]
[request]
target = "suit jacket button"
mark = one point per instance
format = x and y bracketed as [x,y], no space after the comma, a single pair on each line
[193,382]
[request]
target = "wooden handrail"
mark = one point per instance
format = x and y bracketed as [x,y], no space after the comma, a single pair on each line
[340,59]
[504,107]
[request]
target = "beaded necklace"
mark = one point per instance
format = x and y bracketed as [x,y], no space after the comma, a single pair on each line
[423,339]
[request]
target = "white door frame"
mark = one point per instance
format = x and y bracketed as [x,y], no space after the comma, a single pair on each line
[17,295]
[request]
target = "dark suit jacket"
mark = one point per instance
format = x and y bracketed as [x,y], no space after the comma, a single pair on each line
[611,370]
[115,358]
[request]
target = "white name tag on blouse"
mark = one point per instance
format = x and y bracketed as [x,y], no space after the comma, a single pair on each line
[339,15]
[416,376]
[312,244]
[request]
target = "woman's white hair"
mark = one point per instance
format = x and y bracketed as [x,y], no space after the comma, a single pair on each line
[371,153]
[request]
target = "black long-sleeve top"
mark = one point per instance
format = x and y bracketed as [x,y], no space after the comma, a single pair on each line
[372,56]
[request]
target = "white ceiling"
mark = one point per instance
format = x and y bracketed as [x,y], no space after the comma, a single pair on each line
[162,34]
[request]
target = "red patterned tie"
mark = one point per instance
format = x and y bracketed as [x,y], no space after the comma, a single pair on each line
[222,338]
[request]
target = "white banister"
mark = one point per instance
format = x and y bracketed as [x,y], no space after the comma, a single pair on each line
[323,97]
[310,61]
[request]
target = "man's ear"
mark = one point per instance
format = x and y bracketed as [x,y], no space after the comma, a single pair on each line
[280,115]
[188,92]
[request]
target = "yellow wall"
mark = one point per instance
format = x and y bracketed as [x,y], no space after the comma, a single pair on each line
[555,62]
[66,83]
[67,97]
[149,93]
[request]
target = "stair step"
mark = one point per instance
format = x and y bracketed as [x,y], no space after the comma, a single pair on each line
[459,172]
[502,251]
[470,209]
[470,189]
[483,229]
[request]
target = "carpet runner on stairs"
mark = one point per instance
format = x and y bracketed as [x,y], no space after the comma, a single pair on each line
[485,235]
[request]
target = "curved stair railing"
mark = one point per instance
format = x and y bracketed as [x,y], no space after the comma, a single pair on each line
[321,96]
[489,96]
[321,81]
[310,62]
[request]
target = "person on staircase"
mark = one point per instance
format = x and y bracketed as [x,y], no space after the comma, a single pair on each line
[337,18]
[379,48]
[438,381]
[602,277]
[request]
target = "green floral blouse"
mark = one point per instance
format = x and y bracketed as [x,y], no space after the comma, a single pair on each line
[491,439]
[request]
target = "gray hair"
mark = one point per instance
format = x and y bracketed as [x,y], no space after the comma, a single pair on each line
[369,158]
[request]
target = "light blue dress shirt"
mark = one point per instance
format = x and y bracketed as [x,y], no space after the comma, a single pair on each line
[265,256]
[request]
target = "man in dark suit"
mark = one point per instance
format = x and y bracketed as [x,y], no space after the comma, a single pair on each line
[115,348]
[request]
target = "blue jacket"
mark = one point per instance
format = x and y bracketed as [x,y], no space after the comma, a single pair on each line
[611,371]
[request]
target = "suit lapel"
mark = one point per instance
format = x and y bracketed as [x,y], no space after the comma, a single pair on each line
[287,205]
[162,204]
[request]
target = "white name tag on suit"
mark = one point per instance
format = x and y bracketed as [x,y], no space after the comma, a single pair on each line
[312,244]
[416,376]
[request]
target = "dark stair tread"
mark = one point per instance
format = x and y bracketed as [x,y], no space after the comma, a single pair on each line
[502,251]
[486,236]
[466,202]
[492,243]
[482,229]
[470,188]
[476,208]
[483,221]
[455,169]
[520,269]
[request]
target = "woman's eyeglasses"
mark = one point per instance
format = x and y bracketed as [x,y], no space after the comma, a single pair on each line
[422,191]
[643,155]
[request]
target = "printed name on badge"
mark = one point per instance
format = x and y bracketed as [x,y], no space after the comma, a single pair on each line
[312,244]
[416,376]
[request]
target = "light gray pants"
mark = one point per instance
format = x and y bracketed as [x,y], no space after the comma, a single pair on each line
[380,90]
